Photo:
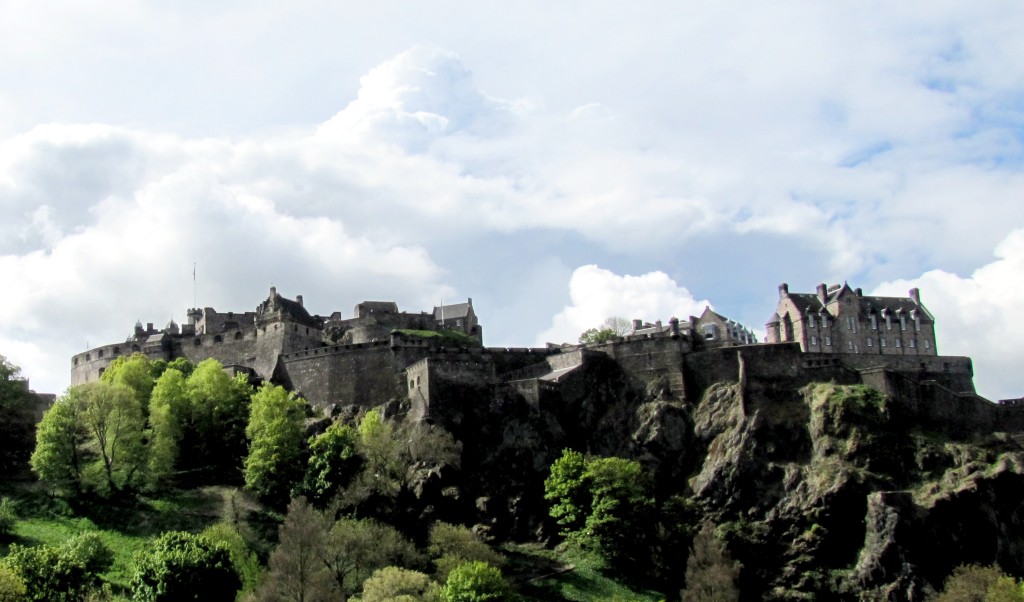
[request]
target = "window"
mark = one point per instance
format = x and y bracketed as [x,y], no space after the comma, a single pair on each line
[814,340]
[218,339]
[899,343]
[903,322]
[869,341]
[888,323]
[917,323]
[882,342]
[100,353]
[117,350]
[828,341]
[709,332]
[198,342]
[912,343]
[824,321]
[849,345]
[810,320]
[76,361]
[874,322]
[87,357]
[238,336]
[927,345]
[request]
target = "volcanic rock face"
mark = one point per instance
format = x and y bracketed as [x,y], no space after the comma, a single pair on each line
[821,492]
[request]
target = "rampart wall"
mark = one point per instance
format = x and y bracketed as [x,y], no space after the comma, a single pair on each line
[365,374]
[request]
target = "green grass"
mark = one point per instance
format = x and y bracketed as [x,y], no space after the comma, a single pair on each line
[448,337]
[566,576]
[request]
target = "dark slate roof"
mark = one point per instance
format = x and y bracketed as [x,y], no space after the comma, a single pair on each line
[458,310]
[805,301]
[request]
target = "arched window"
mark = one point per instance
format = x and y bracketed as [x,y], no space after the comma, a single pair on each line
[197,342]
[238,335]
[218,339]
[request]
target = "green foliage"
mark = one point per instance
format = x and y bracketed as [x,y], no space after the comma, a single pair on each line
[603,504]
[168,411]
[184,566]
[213,436]
[16,420]
[275,432]
[382,451]
[90,551]
[333,463]
[296,570]
[8,517]
[611,329]
[432,445]
[476,582]
[711,575]
[393,584]
[454,545]
[242,558]
[134,372]
[12,588]
[49,573]
[354,548]
[92,437]
[975,583]
[446,337]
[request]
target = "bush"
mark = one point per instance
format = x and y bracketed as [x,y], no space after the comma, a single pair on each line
[393,584]
[12,588]
[89,550]
[453,545]
[49,574]
[8,517]
[476,582]
[980,583]
[184,566]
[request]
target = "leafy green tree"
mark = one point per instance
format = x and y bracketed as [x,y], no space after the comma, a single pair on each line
[355,548]
[296,569]
[382,451]
[275,431]
[603,504]
[16,421]
[394,584]
[453,545]
[711,575]
[89,550]
[213,438]
[168,413]
[8,517]
[112,417]
[333,463]
[58,458]
[975,583]
[476,582]
[12,588]
[611,329]
[134,372]
[242,558]
[184,566]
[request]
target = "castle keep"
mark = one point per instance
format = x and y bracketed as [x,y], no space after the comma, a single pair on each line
[382,354]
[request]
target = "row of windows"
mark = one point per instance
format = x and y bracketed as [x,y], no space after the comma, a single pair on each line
[871,341]
[852,323]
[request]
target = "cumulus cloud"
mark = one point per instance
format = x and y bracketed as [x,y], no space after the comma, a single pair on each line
[981,316]
[597,294]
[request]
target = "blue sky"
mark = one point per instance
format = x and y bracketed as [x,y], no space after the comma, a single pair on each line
[558,163]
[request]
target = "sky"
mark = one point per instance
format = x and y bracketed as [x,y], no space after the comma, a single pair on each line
[557,161]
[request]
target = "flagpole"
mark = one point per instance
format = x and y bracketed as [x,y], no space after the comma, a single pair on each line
[195,294]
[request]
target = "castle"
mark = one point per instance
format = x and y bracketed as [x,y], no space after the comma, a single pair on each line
[382,354]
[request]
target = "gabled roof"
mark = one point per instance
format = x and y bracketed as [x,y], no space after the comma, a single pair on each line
[457,310]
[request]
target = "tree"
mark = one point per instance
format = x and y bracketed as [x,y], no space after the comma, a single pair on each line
[58,458]
[333,463]
[242,558]
[454,545]
[89,550]
[16,421]
[214,432]
[134,372]
[711,575]
[275,432]
[602,504]
[393,584]
[184,566]
[382,452]
[296,570]
[611,329]
[476,582]
[975,583]
[112,418]
[168,413]
[8,517]
[355,548]
[49,574]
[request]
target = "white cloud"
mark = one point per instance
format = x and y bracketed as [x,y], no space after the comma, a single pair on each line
[597,294]
[981,316]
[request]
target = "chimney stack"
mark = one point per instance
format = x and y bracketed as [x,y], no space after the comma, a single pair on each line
[783,290]
[915,294]
[822,293]
[298,299]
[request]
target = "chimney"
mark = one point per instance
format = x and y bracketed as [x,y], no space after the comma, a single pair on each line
[822,293]
[637,325]
[273,292]
[783,290]
[915,294]
[298,299]
[859,292]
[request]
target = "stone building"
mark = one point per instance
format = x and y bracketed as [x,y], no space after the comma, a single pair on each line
[838,319]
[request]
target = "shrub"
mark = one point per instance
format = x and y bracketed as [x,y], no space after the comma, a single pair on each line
[49,574]
[184,566]
[89,550]
[393,584]
[12,588]
[452,545]
[8,517]
[476,582]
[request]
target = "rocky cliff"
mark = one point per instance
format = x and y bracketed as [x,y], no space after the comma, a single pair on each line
[821,492]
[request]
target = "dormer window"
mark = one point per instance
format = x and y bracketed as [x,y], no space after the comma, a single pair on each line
[888,322]
[903,322]
[874,321]
[917,323]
